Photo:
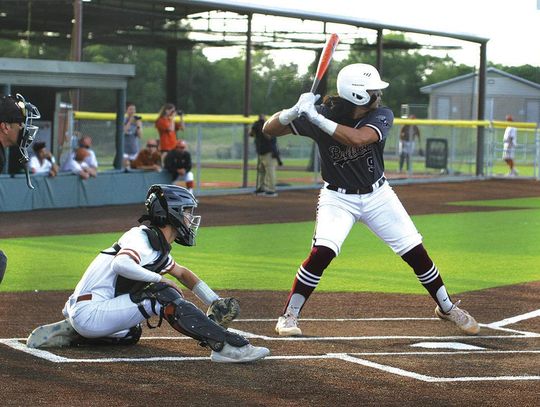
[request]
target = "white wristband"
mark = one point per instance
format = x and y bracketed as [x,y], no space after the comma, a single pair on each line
[204,293]
[326,125]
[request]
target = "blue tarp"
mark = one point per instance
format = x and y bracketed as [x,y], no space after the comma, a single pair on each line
[69,191]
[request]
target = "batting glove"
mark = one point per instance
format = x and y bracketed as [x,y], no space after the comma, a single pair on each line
[326,125]
[288,115]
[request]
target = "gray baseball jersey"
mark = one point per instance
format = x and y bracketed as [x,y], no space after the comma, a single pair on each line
[346,166]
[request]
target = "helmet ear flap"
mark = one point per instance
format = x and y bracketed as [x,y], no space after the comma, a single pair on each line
[363,97]
[155,209]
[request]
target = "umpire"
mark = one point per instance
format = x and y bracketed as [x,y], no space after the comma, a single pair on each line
[16,128]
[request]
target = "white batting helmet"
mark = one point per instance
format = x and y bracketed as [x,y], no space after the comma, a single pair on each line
[353,82]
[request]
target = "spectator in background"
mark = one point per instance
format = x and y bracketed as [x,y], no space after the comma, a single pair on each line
[407,138]
[132,134]
[77,164]
[43,161]
[90,160]
[178,163]
[148,158]
[510,142]
[266,147]
[167,126]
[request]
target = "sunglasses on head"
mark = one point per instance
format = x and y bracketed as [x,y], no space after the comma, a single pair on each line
[151,145]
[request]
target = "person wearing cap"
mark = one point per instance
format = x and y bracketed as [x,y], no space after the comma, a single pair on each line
[11,122]
[16,115]
[178,163]
[16,128]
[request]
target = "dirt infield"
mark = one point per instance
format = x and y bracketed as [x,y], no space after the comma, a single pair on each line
[358,349]
[289,206]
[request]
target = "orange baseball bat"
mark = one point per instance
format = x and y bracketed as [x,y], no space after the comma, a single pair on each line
[324,60]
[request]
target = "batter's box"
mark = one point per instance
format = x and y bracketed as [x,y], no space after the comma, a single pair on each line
[432,367]
[402,362]
[335,329]
[422,366]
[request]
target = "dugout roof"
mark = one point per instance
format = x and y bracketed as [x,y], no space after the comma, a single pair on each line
[157,23]
[166,24]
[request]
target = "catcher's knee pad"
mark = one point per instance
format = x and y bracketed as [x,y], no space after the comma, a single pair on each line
[186,318]
[161,293]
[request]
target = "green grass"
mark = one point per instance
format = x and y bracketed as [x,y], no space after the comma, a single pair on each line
[506,203]
[473,250]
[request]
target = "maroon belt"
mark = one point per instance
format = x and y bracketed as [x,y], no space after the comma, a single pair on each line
[84,297]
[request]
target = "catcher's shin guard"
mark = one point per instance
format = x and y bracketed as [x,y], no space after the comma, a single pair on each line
[186,318]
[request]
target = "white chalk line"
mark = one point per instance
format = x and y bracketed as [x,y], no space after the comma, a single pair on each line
[16,343]
[426,378]
[339,319]
[513,320]
[338,356]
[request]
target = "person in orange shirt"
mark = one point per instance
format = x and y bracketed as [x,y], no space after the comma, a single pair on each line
[167,126]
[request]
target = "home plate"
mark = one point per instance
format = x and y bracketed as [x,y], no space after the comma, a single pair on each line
[446,345]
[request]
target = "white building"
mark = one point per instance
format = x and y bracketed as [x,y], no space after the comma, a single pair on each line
[457,98]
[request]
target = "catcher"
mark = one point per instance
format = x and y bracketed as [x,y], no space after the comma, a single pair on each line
[125,285]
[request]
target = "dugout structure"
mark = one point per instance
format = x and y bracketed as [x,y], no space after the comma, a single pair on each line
[43,81]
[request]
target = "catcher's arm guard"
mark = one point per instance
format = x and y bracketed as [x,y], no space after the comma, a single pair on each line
[223,310]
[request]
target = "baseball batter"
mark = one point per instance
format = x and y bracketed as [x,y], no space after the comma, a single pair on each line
[125,285]
[350,131]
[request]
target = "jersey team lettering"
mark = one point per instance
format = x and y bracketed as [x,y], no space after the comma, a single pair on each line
[341,155]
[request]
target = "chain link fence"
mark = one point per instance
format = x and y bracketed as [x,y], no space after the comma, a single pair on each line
[218,152]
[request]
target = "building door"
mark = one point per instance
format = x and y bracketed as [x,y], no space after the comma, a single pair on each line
[489,109]
[443,108]
[532,111]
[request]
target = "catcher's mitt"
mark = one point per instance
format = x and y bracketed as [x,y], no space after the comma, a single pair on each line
[223,311]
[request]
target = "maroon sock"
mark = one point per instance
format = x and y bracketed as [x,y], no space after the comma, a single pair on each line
[427,273]
[309,273]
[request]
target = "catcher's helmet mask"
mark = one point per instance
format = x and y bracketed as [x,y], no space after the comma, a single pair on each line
[173,205]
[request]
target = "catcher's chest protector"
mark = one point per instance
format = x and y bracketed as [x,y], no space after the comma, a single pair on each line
[158,243]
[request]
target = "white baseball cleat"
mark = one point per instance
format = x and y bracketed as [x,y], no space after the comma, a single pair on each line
[52,335]
[287,325]
[461,318]
[232,354]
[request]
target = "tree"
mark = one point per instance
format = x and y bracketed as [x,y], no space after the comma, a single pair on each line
[528,72]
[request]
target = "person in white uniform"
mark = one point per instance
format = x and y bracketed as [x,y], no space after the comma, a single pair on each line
[126,284]
[350,131]
[509,146]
